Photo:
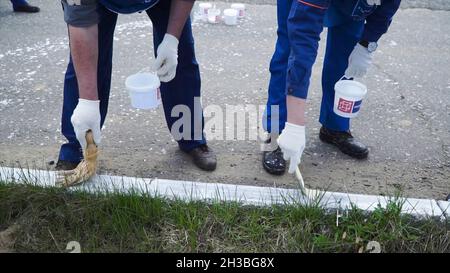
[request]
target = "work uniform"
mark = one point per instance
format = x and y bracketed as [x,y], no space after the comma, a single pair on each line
[18,3]
[180,91]
[299,26]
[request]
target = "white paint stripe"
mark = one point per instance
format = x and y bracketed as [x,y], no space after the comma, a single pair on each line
[248,195]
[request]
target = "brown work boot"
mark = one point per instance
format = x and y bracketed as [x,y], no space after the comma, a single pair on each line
[204,157]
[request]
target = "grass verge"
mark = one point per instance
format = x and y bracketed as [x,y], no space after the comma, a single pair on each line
[45,220]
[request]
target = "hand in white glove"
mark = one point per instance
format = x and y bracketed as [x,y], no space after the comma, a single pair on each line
[167,59]
[373,2]
[358,63]
[292,143]
[85,117]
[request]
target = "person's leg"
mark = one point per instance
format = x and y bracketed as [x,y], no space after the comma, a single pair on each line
[275,114]
[185,87]
[71,151]
[23,6]
[341,40]
[335,130]
[278,68]
[19,2]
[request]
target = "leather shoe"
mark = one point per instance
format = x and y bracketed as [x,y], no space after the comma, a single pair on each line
[345,142]
[273,161]
[26,8]
[63,165]
[204,157]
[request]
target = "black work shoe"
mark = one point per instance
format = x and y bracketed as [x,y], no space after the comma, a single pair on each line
[64,165]
[345,142]
[204,157]
[26,8]
[273,161]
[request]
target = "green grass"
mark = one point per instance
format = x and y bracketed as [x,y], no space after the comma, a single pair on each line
[47,219]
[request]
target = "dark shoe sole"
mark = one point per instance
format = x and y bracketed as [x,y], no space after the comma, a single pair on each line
[272,170]
[326,139]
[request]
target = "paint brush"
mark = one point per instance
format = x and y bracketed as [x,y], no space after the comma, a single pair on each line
[299,177]
[85,170]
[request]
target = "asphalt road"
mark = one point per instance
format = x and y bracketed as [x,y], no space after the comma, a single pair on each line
[405,119]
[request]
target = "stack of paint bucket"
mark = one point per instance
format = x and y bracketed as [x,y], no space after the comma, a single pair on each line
[209,13]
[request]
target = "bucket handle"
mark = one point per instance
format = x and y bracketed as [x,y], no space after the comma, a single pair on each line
[146,70]
[344,77]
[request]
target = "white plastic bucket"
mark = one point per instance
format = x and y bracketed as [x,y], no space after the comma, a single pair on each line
[203,8]
[240,9]
[214,15]
[230,17]
[348,97]
[144,90]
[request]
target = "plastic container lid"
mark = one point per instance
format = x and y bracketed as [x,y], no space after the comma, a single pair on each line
[205,5]
[351,88]
[142,82]
[238,6]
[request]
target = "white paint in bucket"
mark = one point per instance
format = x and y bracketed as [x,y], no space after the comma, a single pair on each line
[240,9]
[144,90]
[348,97]
[230,17]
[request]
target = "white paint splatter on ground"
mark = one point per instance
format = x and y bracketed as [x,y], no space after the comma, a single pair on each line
[133,26]
[5,102]
[41,48]
[44,48]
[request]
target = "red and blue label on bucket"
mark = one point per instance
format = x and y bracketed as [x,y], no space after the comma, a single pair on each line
[348,97]
[348,106]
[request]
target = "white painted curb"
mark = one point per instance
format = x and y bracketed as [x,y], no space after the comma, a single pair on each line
[247,195]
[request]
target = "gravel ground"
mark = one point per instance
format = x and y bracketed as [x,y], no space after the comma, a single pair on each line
[405,119]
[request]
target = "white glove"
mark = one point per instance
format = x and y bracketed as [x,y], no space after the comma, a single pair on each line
[85,117]
[167,59]
[358,63]
[292,143]
[373,2]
